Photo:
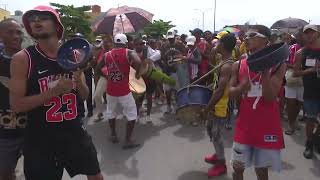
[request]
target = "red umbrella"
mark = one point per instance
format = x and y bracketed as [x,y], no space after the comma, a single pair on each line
[123,19]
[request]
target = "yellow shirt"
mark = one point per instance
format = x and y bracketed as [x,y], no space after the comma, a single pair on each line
[236,54]
[243,49]
[221,108]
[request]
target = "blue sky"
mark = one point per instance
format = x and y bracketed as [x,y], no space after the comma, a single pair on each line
[182,13]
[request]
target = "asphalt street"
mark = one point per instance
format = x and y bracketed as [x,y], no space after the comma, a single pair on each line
[173,151]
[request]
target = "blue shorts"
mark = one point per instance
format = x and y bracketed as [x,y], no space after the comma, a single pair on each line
[311,109]
[260,158]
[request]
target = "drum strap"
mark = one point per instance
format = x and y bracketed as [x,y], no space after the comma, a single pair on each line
[119,69]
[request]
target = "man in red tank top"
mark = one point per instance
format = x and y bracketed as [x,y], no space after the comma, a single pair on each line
[258,135]
[118,62]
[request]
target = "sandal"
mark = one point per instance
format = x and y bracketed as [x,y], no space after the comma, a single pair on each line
[99,118]
[114,139]
[194,124]
[130,145]
[289,132]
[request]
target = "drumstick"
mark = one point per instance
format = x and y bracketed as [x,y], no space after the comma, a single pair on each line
[4,81]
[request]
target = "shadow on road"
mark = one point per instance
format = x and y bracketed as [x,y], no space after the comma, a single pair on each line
[199,175]
[316,167]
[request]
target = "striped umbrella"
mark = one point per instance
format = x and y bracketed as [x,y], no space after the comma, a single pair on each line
[123,19]
[231,29]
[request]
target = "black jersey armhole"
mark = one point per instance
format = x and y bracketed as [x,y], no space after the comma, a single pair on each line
[29,63]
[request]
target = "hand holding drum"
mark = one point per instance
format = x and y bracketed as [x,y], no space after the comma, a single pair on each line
[74,54]
[149,71]
[268,57]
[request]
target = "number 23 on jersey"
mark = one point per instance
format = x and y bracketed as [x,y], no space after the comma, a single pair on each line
[56,112]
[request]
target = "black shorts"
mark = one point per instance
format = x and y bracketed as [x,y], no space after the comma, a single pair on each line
[47,155]
[151,86]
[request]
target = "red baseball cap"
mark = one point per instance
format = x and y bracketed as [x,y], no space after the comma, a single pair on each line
[48,9]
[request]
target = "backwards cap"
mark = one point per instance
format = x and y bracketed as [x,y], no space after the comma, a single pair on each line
[40,9]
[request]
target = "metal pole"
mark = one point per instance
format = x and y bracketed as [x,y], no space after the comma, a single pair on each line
[203,12]
[214,17]
[203,21]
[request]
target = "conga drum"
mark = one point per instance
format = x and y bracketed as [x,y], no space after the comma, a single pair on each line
[137,86]
[191,101]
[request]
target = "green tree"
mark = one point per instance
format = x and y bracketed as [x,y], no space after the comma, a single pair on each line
[158,28]
[74,19]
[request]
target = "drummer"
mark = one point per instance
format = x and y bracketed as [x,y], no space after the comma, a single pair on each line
[169,51]
[144,52]
[219,105]
[193,59]
[118,62]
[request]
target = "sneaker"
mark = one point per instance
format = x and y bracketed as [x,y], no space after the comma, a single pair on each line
[90,114]
[99,117]
[148,119]
[308,152]
[217,171]
[211,159]
[169,110]
[158,102]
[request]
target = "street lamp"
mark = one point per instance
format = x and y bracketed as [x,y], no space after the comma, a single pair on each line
[214,16]
[197,21]
[203,12]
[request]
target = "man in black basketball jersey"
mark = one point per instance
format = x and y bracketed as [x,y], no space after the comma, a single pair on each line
[54,137]
[11,125]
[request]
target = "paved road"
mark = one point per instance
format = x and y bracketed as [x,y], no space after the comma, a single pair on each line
[171,151]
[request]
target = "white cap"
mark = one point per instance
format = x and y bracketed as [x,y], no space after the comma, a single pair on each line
[120,39]
[171,34]
[98,38]
[191,40]
[310,26]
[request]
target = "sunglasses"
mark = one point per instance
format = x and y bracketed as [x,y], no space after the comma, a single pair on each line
[250,35]
[40,17]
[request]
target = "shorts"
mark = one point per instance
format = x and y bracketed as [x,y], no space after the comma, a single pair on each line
[151,86]
[127,103]
[215,130]
[47,154]
[10,152]
[260,158]
[311,109]
[167,87]
[294,93]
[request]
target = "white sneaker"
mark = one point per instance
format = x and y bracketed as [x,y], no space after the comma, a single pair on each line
[148,119]
[159,102]
[169,110]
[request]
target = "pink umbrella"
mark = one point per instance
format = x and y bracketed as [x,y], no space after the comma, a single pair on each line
[123,19]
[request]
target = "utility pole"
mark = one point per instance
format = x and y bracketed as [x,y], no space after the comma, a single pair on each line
[5,6]
[203,12]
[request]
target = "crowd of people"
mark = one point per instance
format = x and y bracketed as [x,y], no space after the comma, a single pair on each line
[42,105]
